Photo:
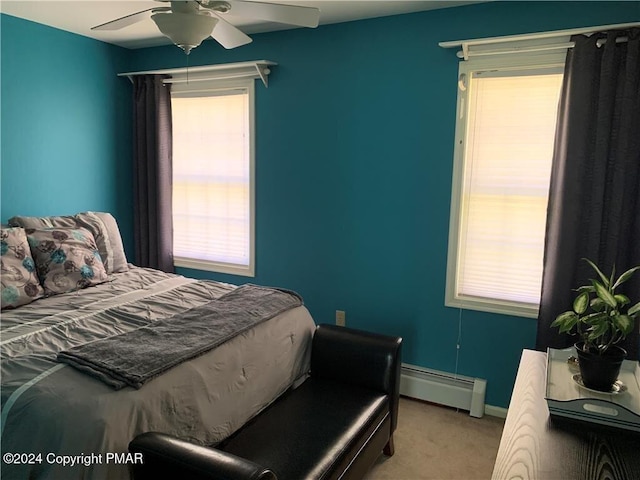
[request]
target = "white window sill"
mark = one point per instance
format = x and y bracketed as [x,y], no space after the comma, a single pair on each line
[494,306]
[218,267]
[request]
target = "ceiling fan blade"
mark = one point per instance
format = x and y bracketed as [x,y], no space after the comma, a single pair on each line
[229,36]
[275,12]
[127,20]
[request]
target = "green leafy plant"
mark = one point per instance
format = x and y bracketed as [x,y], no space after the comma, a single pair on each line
[600,316]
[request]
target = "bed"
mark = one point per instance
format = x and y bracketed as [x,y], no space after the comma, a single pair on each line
[55,410]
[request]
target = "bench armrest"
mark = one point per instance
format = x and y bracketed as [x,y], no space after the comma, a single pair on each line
[359,358]
[165,456]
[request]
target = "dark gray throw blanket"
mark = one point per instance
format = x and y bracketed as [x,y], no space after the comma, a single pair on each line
[135,357]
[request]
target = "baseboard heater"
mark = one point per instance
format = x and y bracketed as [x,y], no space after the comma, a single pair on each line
[444,388]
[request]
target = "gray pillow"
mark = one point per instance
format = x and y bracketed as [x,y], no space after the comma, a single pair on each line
[103,227]
[107,234]
[66,221]
[20,284]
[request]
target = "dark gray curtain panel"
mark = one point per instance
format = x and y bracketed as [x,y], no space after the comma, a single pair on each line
[594,197]
[153,173]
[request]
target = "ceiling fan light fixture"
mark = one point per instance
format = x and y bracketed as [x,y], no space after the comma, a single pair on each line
[186,30]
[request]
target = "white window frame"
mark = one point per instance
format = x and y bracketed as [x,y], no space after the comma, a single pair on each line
[503,62]
[209,88]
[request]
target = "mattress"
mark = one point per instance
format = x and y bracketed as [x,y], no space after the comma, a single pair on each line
[71,425]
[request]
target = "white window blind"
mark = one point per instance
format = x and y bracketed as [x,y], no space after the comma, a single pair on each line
[506,158]
[212,180]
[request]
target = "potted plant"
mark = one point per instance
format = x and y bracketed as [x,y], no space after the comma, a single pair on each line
[601,318]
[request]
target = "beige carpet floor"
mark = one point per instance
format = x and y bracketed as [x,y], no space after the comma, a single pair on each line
[439,443]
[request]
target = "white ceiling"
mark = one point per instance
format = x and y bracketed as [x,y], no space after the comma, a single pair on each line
[80,15]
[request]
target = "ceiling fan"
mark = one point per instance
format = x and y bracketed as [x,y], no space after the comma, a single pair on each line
[188,23]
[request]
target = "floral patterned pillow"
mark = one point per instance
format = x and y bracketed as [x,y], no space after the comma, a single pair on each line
[67,259]
[102,225]
[20,283]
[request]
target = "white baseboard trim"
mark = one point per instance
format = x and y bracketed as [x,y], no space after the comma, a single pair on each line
[495,411]
[443,388]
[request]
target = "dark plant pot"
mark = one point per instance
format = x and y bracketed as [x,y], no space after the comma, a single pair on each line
[600,372]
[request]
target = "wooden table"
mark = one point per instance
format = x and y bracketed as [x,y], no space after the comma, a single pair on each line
[536,446]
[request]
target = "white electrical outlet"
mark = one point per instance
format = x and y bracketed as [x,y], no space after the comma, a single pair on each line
[340,318]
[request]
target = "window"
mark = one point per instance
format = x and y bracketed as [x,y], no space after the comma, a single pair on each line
[213,178]
[507,111]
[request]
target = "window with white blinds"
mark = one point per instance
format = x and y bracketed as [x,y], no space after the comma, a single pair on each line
[213,220]
[506,128]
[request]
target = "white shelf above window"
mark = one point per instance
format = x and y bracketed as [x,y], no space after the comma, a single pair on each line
[226,71]
[558,40]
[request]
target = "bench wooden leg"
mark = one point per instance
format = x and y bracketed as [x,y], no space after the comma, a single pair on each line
[388,449]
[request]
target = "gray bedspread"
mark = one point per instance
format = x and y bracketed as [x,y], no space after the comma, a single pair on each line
[133,358]
[51,409]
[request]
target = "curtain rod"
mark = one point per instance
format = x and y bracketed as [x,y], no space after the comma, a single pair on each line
[541,48]
[602,41]
[537,36]
[526,43]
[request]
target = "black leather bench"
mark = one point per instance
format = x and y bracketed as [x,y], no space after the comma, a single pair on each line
[333,426]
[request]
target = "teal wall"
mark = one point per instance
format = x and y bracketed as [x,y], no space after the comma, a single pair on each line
[354,161]
[66,124]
